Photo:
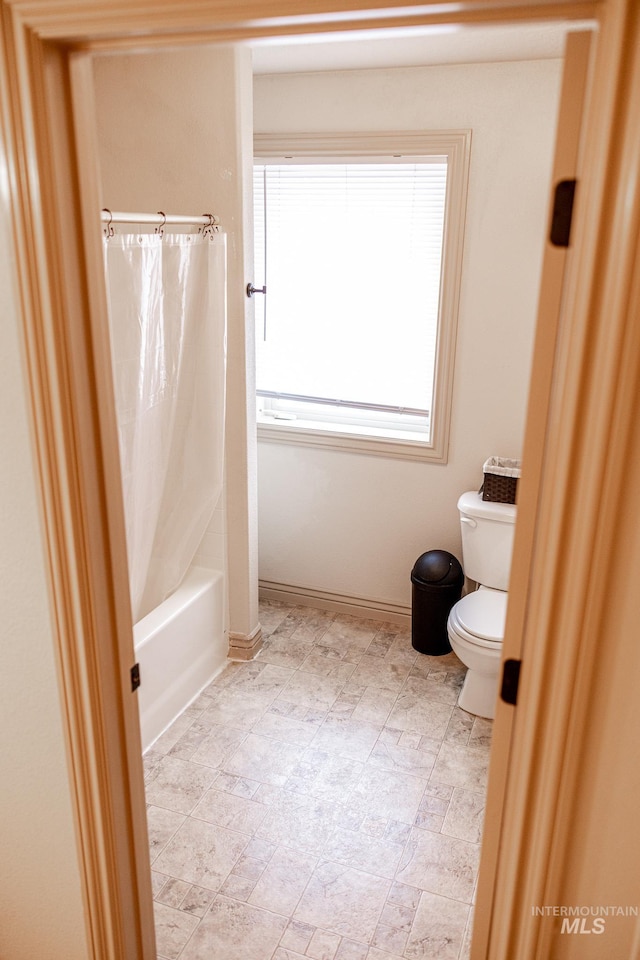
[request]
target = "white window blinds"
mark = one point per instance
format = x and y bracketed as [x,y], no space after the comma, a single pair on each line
[351,254]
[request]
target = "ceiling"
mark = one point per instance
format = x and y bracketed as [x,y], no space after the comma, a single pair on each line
[412,47]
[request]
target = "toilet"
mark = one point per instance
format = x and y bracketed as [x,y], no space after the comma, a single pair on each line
[476,622]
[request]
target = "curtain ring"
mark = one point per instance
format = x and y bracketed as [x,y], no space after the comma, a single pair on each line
[108,230]
[211,227]
[160,230]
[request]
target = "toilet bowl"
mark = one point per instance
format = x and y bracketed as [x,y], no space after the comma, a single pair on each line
[476,622]
[475,628]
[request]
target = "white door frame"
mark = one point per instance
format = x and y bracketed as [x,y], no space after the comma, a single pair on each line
[47,68]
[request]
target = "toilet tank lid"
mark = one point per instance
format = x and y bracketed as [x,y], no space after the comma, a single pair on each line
[471,504]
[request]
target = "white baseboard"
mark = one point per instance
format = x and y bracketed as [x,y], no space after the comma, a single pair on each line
[364,607]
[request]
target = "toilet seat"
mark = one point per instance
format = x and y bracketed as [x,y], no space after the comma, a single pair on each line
[480,617]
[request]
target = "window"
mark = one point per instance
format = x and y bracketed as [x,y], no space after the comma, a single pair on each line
[358,241]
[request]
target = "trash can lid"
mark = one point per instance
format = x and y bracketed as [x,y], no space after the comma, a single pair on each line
[437,566]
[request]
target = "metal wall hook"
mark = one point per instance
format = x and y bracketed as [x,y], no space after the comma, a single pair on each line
[251,289]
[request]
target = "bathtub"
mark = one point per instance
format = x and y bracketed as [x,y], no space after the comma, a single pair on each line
[180,646]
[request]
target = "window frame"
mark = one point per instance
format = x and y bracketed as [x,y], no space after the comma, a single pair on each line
[456,146]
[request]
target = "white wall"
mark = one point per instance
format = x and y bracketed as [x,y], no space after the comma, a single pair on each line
[41,908]
[350,524]
[173,132]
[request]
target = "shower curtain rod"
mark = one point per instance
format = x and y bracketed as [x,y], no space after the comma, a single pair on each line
[159,218]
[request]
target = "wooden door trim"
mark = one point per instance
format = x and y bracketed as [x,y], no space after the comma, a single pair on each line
[564,592]
[65,343]
[565,166]
[76,449]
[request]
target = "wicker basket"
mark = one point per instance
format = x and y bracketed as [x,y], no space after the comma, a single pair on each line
[500,480]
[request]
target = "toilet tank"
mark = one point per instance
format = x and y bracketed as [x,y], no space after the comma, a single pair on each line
[487,539]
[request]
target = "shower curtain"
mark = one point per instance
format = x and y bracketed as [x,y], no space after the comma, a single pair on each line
[167,316]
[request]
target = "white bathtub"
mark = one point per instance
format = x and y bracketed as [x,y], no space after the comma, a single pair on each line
[180,646]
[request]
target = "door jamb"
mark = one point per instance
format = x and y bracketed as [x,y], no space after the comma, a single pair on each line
[578,59]
[74,429]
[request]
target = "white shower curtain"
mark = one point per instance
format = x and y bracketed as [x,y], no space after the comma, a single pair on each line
[167,314]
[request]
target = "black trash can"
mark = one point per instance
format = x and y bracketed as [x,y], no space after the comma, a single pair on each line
[437,580]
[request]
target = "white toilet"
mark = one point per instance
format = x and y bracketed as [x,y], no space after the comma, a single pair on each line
[476,622]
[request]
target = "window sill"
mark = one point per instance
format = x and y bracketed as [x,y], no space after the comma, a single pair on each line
[352,439]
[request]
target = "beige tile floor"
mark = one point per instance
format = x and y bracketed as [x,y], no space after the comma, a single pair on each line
[323,801]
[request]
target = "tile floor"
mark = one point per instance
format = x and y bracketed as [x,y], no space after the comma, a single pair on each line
[323,801]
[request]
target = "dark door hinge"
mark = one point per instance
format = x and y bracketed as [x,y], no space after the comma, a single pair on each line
[510,681]
[562,213]
[135,677]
